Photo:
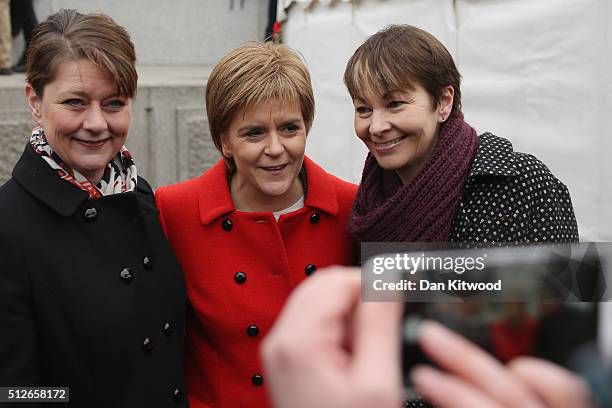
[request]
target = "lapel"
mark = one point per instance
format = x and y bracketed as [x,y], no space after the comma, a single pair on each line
[494,157]
[40,180]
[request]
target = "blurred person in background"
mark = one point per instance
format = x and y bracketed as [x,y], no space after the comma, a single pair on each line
[23,19]
[256,224]
[6,46]
[91,296]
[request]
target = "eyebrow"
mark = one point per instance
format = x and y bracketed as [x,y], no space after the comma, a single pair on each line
[82,94]
[291,121]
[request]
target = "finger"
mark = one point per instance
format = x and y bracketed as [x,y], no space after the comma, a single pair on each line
[447,391]
[330,294]
[469,362]
[315,313]
[555,385]
[376,351]
[307,338]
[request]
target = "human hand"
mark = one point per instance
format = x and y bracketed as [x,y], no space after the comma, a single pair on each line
[328,349]
[473,378]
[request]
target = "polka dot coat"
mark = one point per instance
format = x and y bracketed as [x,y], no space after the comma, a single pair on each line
[512,197]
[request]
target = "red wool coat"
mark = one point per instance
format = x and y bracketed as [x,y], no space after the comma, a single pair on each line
[240,267]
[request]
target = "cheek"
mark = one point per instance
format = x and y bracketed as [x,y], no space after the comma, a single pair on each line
[246,155]
[297,146]
[60,123]
[361,128]
[120,124]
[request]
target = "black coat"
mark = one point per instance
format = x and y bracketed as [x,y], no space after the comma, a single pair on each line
[91,296]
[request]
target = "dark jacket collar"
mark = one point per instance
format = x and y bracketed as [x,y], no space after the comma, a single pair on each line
[494,157]
[35,176]
[40,180]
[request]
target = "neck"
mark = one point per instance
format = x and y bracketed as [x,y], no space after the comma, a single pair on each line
[94,177]
[249,199]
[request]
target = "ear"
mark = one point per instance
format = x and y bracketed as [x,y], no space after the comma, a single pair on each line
[446,103]
[34,103]
[226,151]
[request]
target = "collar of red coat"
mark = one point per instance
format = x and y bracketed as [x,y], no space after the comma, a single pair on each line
[215,199]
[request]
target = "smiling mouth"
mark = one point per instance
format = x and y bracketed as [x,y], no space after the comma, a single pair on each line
[274,168]
[92,143]
[389,144]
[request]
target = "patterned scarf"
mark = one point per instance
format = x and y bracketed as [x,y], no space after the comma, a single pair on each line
[120,174]
[422,210]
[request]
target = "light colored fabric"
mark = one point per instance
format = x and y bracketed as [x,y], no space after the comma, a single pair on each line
[293,207]
[5,34]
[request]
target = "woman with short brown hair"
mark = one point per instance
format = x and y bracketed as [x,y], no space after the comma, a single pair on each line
[256,224]
[429,177]
[91,296]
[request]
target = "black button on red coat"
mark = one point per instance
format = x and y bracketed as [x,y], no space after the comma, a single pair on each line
[257,379]
[315,217]
[240,277]
[310,268]
[252,330]
[227,224]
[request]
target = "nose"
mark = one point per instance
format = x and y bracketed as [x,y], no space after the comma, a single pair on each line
[275,145]
[379,123]
[95,121]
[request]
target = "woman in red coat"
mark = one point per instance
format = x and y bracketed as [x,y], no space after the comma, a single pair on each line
[256,224]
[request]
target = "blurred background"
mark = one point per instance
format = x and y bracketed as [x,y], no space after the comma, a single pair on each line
[534,72]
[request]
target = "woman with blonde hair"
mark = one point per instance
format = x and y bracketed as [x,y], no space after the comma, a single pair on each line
[256,224]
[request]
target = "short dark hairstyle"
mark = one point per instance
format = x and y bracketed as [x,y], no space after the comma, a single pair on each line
[70,35]
[396,58]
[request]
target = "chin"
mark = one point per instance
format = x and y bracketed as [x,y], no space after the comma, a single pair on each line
[392,163]
[275,189]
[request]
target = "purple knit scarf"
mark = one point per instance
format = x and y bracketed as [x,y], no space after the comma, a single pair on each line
[422,210]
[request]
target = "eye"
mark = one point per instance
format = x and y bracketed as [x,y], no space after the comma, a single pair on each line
[395,104]
[115,104]
[74,102]
[254,133]
[291,128]
[362,110]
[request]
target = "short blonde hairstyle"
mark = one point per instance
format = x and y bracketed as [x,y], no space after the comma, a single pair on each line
[251,74]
